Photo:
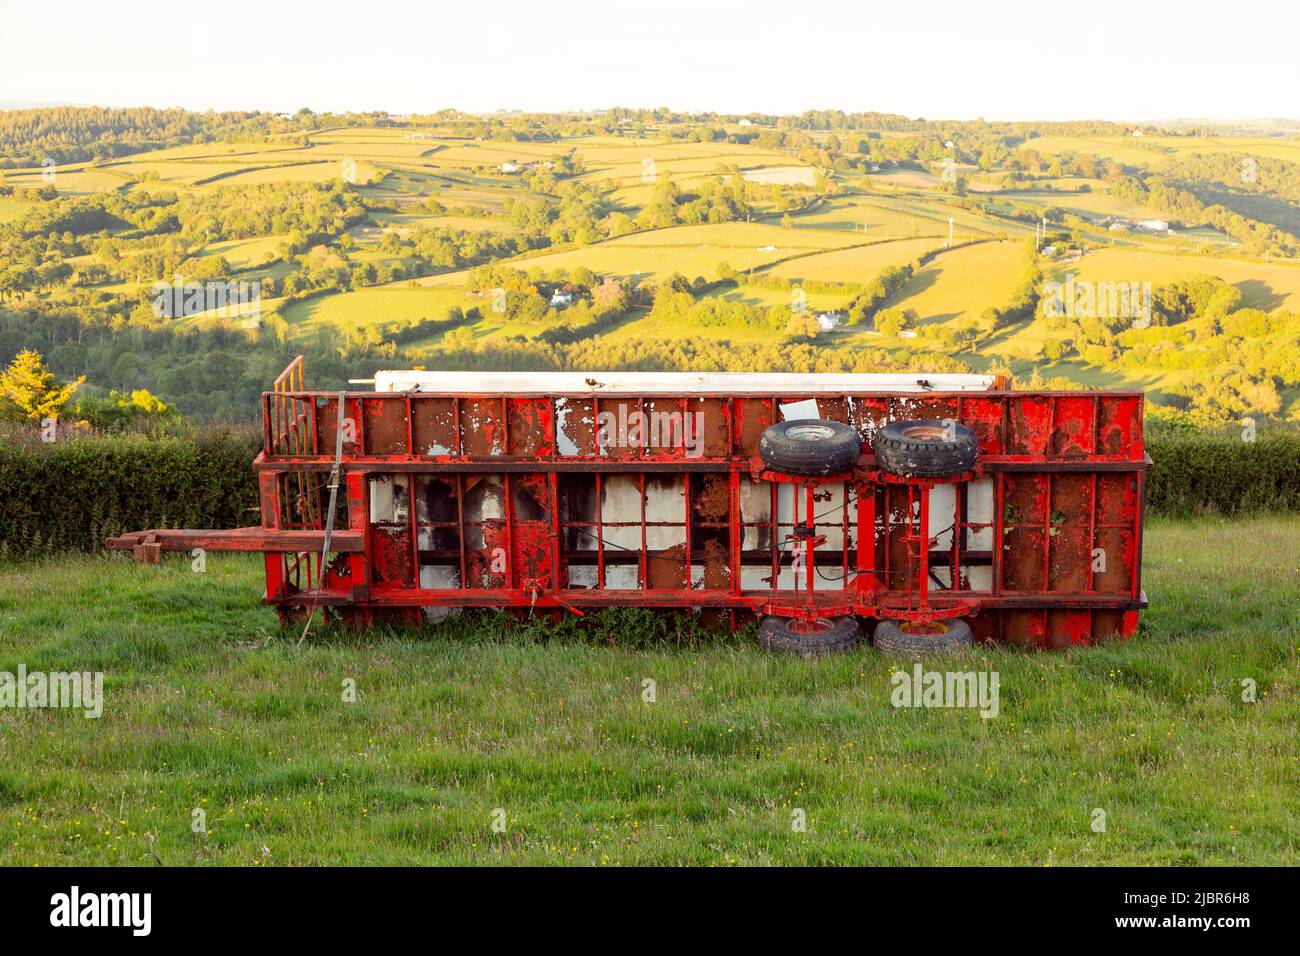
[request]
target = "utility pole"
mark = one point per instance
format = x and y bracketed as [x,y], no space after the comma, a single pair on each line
[950,232]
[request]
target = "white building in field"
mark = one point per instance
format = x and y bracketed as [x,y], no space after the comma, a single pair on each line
[1147,225]
[828,321]
[510,167]
[560,298]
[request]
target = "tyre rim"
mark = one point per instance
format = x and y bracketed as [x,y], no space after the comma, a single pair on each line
[817,625]
[926,433]
[810,432]
[917,629]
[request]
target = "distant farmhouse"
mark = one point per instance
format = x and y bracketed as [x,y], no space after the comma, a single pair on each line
[513,167]
[828,321]
[1144,225]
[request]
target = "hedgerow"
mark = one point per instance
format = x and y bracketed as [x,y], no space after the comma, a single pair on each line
[1222,473]
[70,495]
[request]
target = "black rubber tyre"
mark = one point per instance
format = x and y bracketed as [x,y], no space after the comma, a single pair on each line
[892,639]
[810,446]
[840,634]
[926,448]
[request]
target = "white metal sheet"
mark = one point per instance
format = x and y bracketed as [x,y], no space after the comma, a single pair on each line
[674,383]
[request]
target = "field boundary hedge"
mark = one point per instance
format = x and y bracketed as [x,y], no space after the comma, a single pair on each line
[1215,473]
[72,495]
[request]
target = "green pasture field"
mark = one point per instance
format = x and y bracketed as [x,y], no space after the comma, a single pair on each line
[859,264]
[1155,150]
[964,281]
[1271,286]
[212,715]
[370,307]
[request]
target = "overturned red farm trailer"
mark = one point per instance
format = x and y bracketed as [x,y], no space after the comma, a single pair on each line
[941,508]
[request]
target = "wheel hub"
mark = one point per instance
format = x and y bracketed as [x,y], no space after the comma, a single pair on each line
[810,432]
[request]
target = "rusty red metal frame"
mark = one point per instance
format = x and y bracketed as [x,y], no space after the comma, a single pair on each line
[484,503]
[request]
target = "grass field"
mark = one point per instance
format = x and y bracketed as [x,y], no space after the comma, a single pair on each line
[1156,151]
[365,308]
[860,264]
[760,296]
[1264,285]
[689,250]
[11,209]
[965,281]
[209,707]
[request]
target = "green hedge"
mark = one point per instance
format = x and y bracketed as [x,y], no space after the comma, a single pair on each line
[71,495]
[1199,472]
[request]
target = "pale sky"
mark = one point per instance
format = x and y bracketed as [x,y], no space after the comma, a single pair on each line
[1003,59]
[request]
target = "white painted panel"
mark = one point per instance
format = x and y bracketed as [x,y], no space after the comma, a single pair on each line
[664,501]
[797,411]
[755,506]
[622,578]
[753,579]
[486,500]
[439,576]
[389,501]
[943,512]
[979,509]
[621,501]
[567,414]
[582,575]
[757,579]
[674,383]
[830,516]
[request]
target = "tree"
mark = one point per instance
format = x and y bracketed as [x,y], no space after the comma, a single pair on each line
[32,389]
[893,321]
[610,296]
[802,325]
[117,411]
[458,340]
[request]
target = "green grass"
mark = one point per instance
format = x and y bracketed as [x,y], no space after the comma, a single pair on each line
[860,264]
[964,281]
[399,302]
[764,297]
[689,250]
[209,706]
[11,209]
[1270,286]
